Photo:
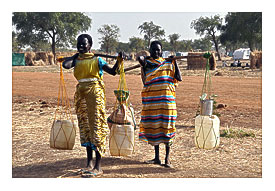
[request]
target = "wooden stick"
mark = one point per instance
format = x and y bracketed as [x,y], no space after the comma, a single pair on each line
[105,56]
[132,67]
[170,59]
[181,57]
[176,58]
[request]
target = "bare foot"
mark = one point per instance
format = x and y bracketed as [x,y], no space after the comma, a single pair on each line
[92,173]
[153,161]
[88,168]
[167,164]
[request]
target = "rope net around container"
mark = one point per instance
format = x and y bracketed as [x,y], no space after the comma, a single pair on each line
[206,135]
[63,112]
[206,93]
[122,92]
[123,113]
[206,88]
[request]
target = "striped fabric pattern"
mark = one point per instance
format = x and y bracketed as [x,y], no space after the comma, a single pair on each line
[159,114]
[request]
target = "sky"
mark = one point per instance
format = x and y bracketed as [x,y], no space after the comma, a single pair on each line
[128,22]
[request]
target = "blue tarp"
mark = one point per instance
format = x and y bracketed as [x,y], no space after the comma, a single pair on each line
[18,59]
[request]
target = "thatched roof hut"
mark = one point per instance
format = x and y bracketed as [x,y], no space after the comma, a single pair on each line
[256,59]
[142,53]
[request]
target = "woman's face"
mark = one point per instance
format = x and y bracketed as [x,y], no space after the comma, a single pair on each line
[155,51]
[83,45]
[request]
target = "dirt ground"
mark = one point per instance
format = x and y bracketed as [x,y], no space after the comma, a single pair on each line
[34,100]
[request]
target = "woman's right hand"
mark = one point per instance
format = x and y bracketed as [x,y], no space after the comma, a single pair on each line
[141,58]
[60,59]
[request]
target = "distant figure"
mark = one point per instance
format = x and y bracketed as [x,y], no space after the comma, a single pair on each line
[224,64]
[239,64]
[234,64]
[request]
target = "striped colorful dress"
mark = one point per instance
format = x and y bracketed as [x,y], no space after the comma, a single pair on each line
[159,113]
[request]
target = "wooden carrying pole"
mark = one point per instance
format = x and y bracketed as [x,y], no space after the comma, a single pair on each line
[132,67]
[105,56]
[138,65]
[168,59]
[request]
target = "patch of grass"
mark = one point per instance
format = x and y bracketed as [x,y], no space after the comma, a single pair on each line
[230,133]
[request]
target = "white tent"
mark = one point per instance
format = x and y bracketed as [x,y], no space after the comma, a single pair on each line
[182,54]
[166,54]
[241,53]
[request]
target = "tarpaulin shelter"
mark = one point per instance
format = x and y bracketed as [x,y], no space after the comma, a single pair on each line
[241,54]
[18,59]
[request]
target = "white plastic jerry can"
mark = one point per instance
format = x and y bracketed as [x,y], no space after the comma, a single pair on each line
[121,141]
[207,133]
[62,135]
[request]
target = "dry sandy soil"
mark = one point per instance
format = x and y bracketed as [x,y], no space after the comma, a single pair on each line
[34,100]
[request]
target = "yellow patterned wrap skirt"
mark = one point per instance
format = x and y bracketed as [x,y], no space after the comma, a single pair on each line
[90,109]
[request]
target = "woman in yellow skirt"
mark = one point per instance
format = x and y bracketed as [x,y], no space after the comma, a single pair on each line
[90,101]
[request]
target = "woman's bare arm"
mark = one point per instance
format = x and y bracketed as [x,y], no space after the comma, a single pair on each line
[69,62]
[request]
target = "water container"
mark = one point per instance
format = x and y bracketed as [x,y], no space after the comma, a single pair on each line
[207,133]
[122,139]
[62,135]
[207,107]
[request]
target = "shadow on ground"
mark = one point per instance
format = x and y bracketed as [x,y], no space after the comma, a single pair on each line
[69,168]
[184,127]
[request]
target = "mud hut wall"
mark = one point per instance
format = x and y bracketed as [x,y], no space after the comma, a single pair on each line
[256,59]
[196,61]
[260,60]
[29,58]
[252,60]
[43,58]
[36,58]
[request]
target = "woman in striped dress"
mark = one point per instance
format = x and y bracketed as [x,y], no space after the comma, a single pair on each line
[90,100]
[158,116]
